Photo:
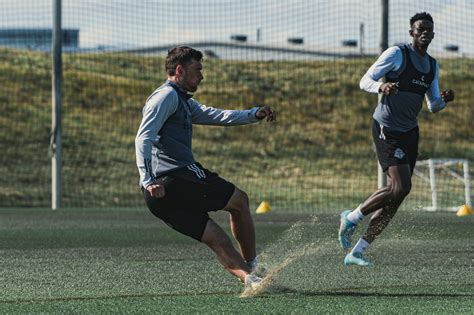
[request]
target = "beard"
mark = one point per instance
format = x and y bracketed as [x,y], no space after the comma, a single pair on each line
[192,88]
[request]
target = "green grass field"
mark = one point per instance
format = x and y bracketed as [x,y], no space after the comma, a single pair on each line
[127,261]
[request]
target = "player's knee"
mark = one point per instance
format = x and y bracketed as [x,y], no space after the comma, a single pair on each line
[401,191]
[239,202]
[243,199]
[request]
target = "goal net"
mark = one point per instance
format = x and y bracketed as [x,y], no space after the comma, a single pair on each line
[441,184]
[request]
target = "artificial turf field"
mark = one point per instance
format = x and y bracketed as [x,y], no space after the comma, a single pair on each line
[127,261]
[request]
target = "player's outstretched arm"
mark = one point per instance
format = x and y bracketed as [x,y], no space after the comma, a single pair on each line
[205,115]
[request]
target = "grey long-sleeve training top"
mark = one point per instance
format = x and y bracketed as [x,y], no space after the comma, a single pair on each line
[164,139]
[399,112]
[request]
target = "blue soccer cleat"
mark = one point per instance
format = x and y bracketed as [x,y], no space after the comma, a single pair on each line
[346,229]
[357,259]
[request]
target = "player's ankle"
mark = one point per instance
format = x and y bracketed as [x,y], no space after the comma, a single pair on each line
[252,263]
[361,246]
[355,216]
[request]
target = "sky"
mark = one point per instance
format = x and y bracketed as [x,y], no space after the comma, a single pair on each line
[321,23]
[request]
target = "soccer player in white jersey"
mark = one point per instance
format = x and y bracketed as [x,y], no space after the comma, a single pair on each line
[411,75]
[179,190]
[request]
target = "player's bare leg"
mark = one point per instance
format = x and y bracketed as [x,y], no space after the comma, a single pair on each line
[220,243]
[399,187]
[379,221]
[393,194]
[385,202]
[241,223]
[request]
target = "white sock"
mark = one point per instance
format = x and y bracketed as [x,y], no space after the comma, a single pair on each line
[361,246]
[355,216]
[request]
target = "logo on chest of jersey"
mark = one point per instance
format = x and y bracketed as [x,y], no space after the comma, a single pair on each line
[420,82]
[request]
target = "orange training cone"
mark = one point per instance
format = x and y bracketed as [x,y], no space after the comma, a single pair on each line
[464,210]
[264,207]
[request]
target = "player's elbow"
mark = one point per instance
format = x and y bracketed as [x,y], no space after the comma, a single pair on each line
[138,141]
[366,82]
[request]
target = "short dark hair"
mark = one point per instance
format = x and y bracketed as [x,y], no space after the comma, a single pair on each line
[420,16]
[182,55]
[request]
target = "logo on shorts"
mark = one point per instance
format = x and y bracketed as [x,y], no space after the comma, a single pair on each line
[399,154]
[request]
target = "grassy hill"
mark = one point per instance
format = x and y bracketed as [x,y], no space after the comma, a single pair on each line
[318,154]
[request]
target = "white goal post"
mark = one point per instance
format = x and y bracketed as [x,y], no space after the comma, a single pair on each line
[445,165]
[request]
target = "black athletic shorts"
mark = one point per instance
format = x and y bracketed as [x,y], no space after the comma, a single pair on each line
[394,147]
[190,193]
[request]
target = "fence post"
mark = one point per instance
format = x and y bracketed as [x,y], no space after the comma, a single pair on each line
[381,176]
[434,195]
[467,183]
[55,145]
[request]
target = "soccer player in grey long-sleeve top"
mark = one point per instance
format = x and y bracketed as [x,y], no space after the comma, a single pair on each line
[179,190]
[411,75]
